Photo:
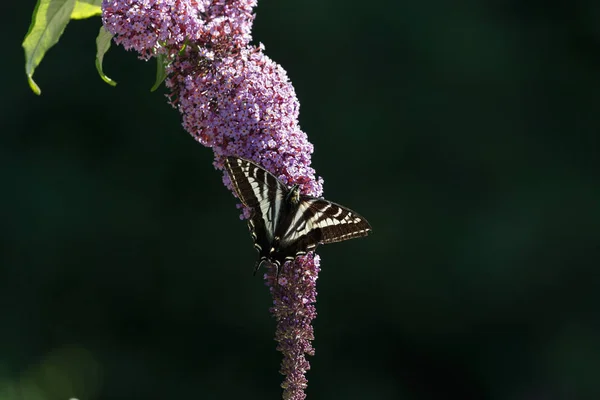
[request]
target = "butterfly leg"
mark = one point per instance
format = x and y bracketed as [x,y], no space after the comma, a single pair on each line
[258,264]
[275,264]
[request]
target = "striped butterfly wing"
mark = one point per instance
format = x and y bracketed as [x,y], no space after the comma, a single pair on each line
[319,221]
[263,194]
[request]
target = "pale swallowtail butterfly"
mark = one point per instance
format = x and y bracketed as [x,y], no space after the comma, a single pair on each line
[284,223]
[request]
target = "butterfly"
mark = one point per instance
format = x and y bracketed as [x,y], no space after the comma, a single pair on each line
[284,223]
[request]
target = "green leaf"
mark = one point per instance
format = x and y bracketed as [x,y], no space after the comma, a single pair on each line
[161,71]
[49,20]
[102,45]
[86,8]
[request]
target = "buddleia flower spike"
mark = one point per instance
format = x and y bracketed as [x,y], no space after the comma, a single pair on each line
[237,101]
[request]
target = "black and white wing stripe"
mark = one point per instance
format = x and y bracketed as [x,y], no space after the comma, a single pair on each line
[258,190]
[319,221]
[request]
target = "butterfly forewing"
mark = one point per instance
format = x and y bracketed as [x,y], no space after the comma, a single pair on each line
[319,221]
[258,190]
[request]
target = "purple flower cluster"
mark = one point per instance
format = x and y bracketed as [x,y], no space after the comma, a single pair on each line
[153,27]
[243,104]
[294,310]
[237,101]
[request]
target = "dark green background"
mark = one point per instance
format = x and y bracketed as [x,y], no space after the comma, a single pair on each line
[468,136]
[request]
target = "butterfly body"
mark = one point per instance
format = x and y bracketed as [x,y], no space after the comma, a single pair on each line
[284,223]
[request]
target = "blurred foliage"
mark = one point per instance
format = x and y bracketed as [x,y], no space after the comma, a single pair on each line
[466,133]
